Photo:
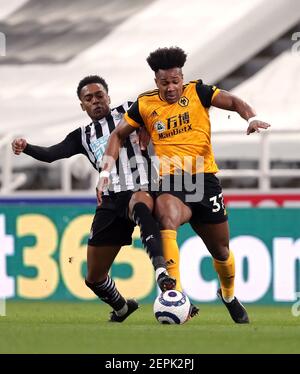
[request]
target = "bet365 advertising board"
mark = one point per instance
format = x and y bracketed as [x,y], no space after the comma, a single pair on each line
[43,255]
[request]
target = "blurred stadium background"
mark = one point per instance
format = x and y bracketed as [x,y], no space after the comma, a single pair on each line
[250,47]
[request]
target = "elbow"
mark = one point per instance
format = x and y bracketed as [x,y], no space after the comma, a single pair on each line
[50,159]
[47,160]
[240,106]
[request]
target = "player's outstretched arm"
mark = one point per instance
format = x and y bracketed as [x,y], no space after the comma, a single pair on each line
[70,146]
[225,100]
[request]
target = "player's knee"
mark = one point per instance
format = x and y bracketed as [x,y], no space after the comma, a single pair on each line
[171,212]
[168,215]
[141,197]
[169,221]
[220,252]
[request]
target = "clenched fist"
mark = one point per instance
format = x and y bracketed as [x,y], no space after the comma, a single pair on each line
[18,146]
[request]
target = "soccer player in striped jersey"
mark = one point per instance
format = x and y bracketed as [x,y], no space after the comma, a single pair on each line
[126,204]
[176,117]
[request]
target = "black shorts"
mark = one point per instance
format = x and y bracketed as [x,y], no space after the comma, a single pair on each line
[111,225]
[207,203]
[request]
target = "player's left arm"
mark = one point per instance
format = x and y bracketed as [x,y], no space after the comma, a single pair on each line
[129,123]
[115,142]
[225,100]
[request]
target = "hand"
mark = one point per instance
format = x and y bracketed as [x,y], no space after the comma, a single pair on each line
[255,125]
[101,187]
[142,138]
[18,146]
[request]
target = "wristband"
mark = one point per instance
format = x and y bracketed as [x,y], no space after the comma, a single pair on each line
[104,174]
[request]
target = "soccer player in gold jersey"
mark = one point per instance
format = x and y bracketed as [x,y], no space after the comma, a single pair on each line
[177,119]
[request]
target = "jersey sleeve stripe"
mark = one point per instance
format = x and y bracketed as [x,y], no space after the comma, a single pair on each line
[217,91]
[131,122]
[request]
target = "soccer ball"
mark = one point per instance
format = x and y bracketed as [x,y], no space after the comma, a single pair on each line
[172,307]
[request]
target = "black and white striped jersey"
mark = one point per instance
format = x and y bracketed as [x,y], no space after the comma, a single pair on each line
[131,169]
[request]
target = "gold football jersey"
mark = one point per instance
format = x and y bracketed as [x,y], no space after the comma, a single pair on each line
[180,132]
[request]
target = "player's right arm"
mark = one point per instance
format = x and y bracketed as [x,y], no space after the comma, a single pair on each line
[70,146]
[18,145]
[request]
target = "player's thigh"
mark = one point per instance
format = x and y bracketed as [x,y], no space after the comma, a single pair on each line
[111,225]
[171,212]
[99,261]
[216,238]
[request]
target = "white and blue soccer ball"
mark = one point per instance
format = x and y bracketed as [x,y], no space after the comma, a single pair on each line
[172,307]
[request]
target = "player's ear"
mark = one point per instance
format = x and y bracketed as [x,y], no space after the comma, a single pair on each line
[82,107]
[155,80]
[109,100]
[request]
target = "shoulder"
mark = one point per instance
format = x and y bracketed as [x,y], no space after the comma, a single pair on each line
[147,94]
[74,139]
[193,86]
[84,129]
[205,92]
[77,132]
[194,83]
[200,86]
[122,108]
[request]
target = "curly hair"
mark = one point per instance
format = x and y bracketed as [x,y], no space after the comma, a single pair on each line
[89,80]
[166,58]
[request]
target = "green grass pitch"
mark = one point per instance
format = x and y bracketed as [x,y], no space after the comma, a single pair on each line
[60,327]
